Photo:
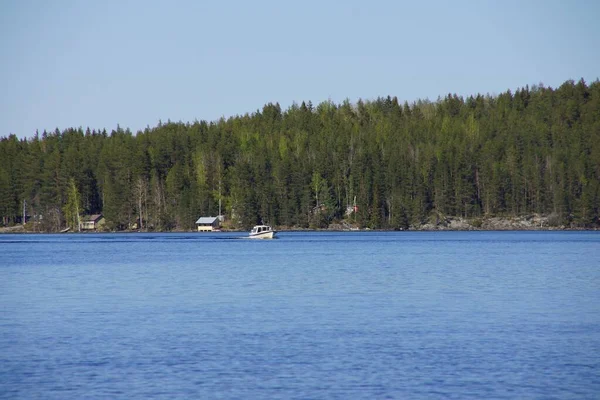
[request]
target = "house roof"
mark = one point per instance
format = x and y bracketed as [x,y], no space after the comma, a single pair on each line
[206,220]
[94,217]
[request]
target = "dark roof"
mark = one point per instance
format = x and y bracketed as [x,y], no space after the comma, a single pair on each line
[93,218]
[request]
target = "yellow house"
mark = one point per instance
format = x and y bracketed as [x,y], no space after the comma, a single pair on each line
[92,222]
[208,224]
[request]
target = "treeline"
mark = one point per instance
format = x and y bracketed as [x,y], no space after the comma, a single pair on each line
[536,150]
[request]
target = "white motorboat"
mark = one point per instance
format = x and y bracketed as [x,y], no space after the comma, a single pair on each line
[262,232]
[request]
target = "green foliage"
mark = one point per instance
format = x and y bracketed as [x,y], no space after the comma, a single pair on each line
[72,207]
[536,150]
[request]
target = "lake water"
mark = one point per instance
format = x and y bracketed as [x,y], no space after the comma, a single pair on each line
[316,315]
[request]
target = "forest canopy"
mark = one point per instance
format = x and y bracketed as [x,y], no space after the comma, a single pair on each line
[380,163]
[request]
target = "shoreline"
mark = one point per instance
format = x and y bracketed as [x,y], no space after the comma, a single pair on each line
[21,231]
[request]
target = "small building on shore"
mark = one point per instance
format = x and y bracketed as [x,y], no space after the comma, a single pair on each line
[208,224]
[92,222]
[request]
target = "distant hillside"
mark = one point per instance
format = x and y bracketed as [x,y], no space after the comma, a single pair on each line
[534,151]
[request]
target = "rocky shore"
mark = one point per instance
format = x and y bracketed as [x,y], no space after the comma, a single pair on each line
[533,222]
[530,222]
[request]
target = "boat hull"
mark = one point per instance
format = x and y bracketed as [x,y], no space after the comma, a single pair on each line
[263,235]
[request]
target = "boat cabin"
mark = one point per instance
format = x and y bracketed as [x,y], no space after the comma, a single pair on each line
[260,229]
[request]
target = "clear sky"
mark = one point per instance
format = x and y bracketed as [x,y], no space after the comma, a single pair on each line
[72,63]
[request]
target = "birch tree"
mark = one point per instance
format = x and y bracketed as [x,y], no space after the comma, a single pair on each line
[72,208]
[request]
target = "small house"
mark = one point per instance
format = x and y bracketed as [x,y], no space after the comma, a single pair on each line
[92,222]
[208,224]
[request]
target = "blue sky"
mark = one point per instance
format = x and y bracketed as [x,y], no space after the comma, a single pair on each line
[71,63]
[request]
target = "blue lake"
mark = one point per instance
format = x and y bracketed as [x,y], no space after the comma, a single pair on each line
[310,315]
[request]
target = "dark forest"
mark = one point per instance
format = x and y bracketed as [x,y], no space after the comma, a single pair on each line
[532,151]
